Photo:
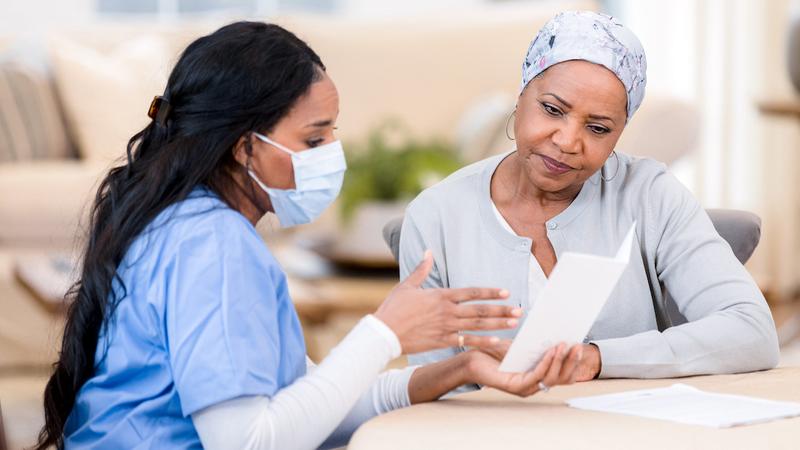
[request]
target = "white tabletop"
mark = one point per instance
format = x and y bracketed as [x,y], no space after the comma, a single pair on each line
[491,419]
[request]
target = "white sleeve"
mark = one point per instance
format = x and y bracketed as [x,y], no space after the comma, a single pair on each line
[315,407]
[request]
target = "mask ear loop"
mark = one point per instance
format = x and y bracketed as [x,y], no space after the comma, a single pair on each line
[269,141]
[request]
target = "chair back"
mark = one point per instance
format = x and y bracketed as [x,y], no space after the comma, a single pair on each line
[3,442]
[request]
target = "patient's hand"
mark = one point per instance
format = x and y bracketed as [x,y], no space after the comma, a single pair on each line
[588,367]
[559,366]
[591,363]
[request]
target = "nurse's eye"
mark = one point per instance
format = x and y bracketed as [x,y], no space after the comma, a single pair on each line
[314,142]
[551,109]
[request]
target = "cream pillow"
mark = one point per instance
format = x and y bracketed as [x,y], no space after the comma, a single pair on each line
[106,94]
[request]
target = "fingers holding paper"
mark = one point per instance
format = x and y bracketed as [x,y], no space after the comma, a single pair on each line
[563,369]
[558,366]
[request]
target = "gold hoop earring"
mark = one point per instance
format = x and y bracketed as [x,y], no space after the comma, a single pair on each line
[615,173]
[509,121]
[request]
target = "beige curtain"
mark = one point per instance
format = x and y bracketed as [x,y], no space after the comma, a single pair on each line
[725,57]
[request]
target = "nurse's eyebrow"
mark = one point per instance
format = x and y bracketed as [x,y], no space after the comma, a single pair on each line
[320,124]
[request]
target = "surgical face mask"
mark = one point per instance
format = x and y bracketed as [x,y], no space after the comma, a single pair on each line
[318,176]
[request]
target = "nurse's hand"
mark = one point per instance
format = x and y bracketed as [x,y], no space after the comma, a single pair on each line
[560,365]
[427,319]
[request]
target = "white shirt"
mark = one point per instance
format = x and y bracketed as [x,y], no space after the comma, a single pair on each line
[536,276]
[322,408]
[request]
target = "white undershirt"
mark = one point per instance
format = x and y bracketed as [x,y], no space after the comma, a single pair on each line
[536,276]
[322,408]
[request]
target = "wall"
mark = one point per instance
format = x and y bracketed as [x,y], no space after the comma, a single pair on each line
[726,56]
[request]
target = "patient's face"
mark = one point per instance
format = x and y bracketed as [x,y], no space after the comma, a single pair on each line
[568,121]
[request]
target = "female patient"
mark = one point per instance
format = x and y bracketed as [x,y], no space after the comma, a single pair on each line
[504,220]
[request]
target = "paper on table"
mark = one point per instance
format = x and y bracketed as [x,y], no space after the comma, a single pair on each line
[687,404]
[567,305]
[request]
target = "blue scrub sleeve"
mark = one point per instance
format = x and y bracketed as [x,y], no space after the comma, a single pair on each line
[222,317]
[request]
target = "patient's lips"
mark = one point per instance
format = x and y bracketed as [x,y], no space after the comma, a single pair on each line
[555,167]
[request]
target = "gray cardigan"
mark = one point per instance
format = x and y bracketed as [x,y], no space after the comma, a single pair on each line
[730,326]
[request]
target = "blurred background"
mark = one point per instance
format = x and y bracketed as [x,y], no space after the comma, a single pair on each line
[426,86]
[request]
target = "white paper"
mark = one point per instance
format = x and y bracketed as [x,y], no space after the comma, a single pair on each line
[686,404]
[567,305]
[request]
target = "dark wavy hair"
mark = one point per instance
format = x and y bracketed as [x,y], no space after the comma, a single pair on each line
[244,77]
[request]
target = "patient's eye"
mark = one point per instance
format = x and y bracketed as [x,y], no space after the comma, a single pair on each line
[597,129]
[551,109]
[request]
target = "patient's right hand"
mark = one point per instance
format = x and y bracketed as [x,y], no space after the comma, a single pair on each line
[427,319]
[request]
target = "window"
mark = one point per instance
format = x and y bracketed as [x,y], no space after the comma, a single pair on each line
[171,8]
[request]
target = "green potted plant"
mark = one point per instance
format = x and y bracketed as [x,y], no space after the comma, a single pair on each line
[384,173]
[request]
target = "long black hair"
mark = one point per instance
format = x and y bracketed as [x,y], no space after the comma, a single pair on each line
[244,77]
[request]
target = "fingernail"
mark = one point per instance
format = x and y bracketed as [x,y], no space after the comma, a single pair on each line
[517,312]
[504,293]
[580,353]
[494,340]
[512,322]
[426,254]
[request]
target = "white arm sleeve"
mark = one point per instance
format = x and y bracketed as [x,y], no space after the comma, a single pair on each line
[315,407]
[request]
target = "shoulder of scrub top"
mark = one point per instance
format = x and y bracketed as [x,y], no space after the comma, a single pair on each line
[202,215]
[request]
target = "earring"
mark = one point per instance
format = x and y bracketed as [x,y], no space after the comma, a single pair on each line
[509,121]
[615,173]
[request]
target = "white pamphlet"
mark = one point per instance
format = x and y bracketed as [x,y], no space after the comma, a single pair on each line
[686,404]
[567,305]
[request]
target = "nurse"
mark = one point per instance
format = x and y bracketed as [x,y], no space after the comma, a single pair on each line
[181,332]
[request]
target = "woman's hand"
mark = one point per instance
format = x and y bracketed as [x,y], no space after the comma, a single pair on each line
[427,319]
[431,381]
[588,367]
[559,366]
[591,363]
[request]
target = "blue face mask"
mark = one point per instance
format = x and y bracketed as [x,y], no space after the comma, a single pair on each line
[318,176]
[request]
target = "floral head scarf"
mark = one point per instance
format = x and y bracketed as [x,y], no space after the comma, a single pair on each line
[592,37]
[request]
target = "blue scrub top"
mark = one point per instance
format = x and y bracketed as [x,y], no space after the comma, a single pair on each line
[206,317]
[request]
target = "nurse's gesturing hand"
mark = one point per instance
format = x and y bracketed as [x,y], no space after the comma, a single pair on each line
[427,319]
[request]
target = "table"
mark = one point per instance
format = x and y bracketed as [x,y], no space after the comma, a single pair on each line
[315,300]
[491,419]
[332,304]
[780,107]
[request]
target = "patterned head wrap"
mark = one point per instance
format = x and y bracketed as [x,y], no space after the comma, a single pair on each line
[593,37]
